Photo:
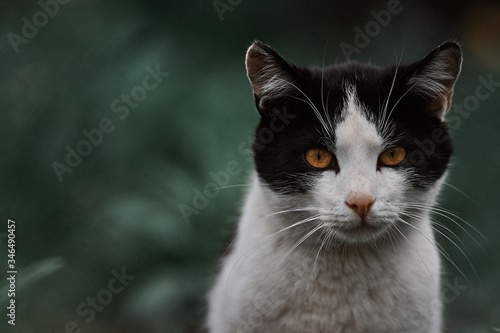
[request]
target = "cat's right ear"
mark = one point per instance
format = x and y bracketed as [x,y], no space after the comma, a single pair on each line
[271,77]
[434,77]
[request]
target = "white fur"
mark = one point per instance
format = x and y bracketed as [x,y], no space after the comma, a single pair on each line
[339,279]
[431,81]
[272,81]
[435,82]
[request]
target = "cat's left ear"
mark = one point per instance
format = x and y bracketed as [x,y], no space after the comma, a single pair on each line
[434,77]
[273,79]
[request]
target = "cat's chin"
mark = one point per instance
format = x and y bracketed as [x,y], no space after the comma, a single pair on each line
[361,233]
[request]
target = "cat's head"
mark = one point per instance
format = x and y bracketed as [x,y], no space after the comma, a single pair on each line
[360,148]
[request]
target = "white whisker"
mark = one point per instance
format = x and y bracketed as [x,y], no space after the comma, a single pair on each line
[443,212]
[439,248]
[235,185]
[306,220]
[461,192]
[299,242]
[325,240]
[286,211]
[416,216]
[327,128]
[415,250]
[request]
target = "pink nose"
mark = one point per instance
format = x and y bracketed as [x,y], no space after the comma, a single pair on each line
[361,204]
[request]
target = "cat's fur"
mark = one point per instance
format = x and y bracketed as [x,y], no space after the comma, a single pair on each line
[306,257]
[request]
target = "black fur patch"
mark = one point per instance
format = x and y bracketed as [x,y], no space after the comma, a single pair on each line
[285,134]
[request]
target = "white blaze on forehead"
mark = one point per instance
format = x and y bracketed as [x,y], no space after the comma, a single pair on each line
[357,139]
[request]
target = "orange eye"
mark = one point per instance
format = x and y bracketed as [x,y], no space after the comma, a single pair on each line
[319,158]
[392,156]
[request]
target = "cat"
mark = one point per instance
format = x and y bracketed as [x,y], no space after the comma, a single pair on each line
[335,233]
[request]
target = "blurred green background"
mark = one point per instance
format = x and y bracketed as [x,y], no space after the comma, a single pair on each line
[117,211]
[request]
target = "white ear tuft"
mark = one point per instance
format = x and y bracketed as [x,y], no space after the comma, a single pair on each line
[434,76]
[270,75]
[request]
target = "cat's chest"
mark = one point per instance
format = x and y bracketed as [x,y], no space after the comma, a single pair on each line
[326,294]
[327,281]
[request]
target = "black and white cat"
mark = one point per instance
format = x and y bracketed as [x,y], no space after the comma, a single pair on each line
[335,234]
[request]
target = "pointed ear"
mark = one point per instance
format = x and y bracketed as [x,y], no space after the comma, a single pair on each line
[434,77]
[272,78]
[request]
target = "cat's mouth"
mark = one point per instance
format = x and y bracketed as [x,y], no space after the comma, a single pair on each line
[358,230]
[363,228]
[361,232]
